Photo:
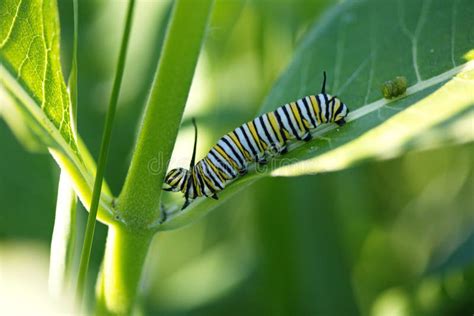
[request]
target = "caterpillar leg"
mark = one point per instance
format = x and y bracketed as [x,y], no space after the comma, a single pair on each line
[186,204]
[243,172]
[261,159]
[307,137]
[341,122]
[164,214]
[274,151]
[215,197]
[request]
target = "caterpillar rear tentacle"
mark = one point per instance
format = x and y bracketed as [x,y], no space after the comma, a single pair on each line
[254,142]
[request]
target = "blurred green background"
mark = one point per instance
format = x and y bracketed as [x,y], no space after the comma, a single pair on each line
[386,238]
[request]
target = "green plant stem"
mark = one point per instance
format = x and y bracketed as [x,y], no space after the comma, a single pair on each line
[63,239]
[138,202]
[125,255]
[82,184]
[89,235]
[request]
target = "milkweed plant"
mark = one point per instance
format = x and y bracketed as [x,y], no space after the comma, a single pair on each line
[41,108]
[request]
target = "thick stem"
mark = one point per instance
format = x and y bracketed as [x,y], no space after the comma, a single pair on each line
[124,258]
[139,200]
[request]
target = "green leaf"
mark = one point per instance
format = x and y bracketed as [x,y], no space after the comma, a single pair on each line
[361,45]
[420,113]
[72,81]
[33,89]
[29,55]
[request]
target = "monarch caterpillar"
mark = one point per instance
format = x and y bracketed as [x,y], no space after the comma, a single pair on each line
[255,141]
[394,88]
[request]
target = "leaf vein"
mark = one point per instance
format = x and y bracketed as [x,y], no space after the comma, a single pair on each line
[453,30]
[27,56]
[339,55]
[373,53]
[354,74]
[46,48]
[15,16]
[419,27]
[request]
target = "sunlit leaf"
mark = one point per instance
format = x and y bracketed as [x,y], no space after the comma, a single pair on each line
[30,65]
[34,91]
[361,45]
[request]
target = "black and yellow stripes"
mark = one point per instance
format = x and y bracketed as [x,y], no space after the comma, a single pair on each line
[255,141]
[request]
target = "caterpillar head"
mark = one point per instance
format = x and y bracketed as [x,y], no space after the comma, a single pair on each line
[336,110]
[176,178]
[333,110]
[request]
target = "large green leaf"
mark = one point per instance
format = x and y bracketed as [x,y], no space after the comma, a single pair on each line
[33,92]
[362,44]
[29,54]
